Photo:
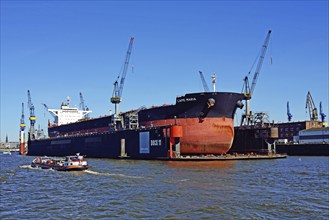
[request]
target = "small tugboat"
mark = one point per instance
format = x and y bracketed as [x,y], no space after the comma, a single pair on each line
[69,163]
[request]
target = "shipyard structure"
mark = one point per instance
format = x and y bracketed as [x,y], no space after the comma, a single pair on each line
[308,138]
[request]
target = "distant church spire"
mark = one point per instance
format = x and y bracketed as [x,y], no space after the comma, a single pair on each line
[6,138]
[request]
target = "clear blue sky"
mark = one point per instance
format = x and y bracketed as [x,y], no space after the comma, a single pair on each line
[57,49]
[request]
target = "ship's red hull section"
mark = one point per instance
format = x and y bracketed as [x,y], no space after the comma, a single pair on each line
[207,136]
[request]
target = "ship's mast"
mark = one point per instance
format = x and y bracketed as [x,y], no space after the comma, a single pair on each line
[213,77]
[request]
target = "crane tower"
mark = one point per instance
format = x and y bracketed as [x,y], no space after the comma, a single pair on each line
[312,110]
[310,106]
[22,126]
[82,102]
[247,117]
[83,106]
[32,116]
[118,89]
[323,116]
[204,83]
[288,112]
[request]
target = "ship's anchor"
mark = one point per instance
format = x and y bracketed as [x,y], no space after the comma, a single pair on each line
[209,104]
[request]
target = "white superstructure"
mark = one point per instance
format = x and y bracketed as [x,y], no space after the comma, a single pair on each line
[67,114]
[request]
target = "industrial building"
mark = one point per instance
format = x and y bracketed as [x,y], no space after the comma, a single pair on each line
[288,130]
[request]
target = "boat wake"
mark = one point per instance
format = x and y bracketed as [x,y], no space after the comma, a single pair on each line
[27,167]
[110,174]
[86,171]
[33,168]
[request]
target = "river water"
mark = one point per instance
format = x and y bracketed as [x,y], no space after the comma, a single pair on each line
[291,188]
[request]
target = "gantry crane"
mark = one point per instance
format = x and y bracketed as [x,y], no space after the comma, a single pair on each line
[22,126]
[310,106]
[205,86]
[248,91]
[32,116]
[288,112]
[117,92]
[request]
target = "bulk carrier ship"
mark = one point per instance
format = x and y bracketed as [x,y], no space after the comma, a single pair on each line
[198,124]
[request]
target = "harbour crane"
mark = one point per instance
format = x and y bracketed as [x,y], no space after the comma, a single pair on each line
[82,105]
[82,102]
[51,112]
[310,106]
[118,89]
[247,118]
[288,112]
[46,107]
[32,116]
[323,116]
[22,126]
[205,86]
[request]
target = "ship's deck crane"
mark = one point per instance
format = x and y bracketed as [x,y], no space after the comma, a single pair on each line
[32,116]
[310,106]
[205,86]
[288,112]
[117,92]
[323,116]
[247,118]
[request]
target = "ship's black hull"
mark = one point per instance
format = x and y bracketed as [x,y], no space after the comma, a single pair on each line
[138,144]
[196,105]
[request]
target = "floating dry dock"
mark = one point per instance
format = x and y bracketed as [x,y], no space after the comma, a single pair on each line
[156,143]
